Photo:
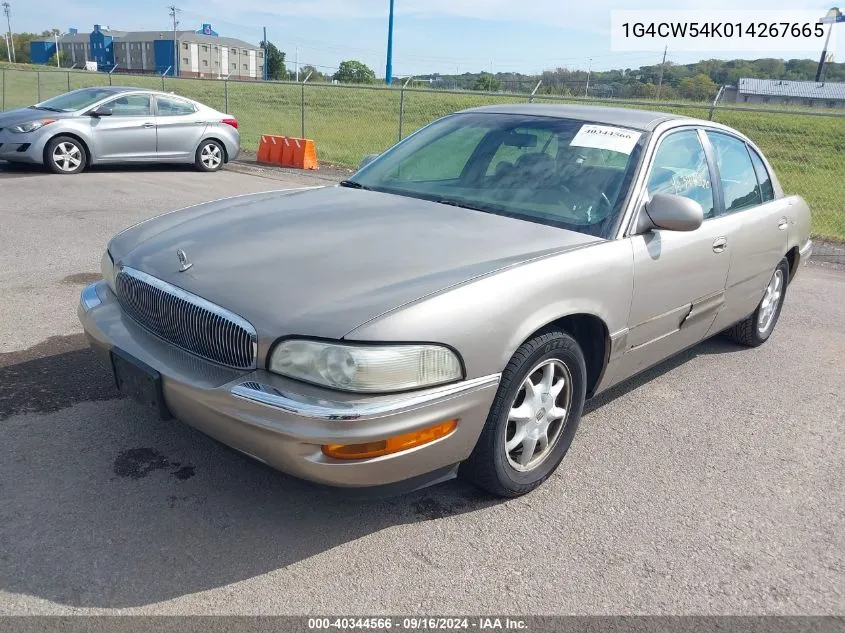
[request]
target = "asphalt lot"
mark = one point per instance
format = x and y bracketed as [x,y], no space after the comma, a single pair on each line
[713,484]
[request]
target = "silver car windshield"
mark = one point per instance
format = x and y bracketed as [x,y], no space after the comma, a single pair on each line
[564,172]
[76,100]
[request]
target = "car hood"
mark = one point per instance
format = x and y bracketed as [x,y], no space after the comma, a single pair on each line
[321,262]
[22,115]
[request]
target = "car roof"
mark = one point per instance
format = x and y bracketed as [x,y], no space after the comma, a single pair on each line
[644,120]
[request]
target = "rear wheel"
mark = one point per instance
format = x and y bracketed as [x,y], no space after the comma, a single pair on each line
[758,327]
[65,155]
[210,156]
[533,418]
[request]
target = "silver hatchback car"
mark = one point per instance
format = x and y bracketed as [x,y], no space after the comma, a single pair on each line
[110,124]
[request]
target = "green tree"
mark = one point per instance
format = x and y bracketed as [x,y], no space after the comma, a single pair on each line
[63,59]
[354,72]
[698,88]
[487,83]
[275,62]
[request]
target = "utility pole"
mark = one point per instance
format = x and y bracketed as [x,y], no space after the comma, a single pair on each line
[173,11]
[662,66]
[296,63]
[7,11]
[58,65]
[266,56]
[388,71]
[8,49]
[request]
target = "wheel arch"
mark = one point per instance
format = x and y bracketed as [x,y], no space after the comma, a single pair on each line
[592,335]
[89,158]
[793,257]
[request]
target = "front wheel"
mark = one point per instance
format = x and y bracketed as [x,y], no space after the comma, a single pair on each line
[757,328]
[209,156]
[65,155]
[533,418]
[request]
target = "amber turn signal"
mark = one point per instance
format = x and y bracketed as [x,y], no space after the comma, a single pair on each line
[391,444]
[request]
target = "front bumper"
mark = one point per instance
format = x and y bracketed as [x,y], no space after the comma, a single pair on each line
[23,148]
[284,423]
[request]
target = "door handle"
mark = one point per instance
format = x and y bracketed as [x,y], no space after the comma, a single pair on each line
[720,244]
[783,223]
[148,125]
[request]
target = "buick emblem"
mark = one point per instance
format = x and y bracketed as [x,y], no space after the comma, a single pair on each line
[184,264]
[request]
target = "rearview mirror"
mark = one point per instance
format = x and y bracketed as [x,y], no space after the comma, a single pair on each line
[367,160]
[101,111]
[518,139]
[672,213]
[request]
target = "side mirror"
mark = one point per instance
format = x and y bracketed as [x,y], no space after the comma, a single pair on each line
[672,213]
[101,111]
[367,160]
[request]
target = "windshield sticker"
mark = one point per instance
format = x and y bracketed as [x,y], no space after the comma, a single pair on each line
[616,139]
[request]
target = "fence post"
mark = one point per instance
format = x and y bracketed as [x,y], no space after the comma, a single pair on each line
[38,86]
[110,79]
[68,81]
[302,111]
[226,95]
[533,92]
[402,106]
[302,105]
[3,91]
[715,102]
[401,110]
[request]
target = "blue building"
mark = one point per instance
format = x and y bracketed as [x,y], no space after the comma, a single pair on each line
[201,53]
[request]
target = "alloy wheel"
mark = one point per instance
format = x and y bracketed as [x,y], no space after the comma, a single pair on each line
[67,156]
[538,415]
[211,156]
[770,303]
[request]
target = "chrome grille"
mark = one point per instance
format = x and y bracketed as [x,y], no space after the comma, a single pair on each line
[186,320]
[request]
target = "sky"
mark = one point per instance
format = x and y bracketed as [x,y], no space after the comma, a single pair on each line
[445,36]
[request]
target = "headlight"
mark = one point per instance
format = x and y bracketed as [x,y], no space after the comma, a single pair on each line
[30,126]
[107,269]
[366,368]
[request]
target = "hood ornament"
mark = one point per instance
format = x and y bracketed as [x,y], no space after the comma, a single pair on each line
[184,264]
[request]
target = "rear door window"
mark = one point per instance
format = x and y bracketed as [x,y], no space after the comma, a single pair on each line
[739,182]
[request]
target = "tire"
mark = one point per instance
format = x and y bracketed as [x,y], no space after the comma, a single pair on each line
[758,327]
[210,156]
[65,155]
[503,471]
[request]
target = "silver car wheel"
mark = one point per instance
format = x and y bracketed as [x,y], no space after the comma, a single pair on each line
[67,156]
[771,300]
[538,415]
[211,156]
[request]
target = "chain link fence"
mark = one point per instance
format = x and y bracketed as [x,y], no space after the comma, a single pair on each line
[347,122]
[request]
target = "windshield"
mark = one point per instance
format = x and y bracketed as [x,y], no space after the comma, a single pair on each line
[564,172]
[76,100]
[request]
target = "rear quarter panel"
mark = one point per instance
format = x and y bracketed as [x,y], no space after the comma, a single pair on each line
[800,222]
[488,318]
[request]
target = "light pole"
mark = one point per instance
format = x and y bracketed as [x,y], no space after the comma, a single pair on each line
[388,71]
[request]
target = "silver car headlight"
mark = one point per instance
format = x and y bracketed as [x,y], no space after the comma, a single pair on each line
[107,269]
[30,126]
[366,368]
